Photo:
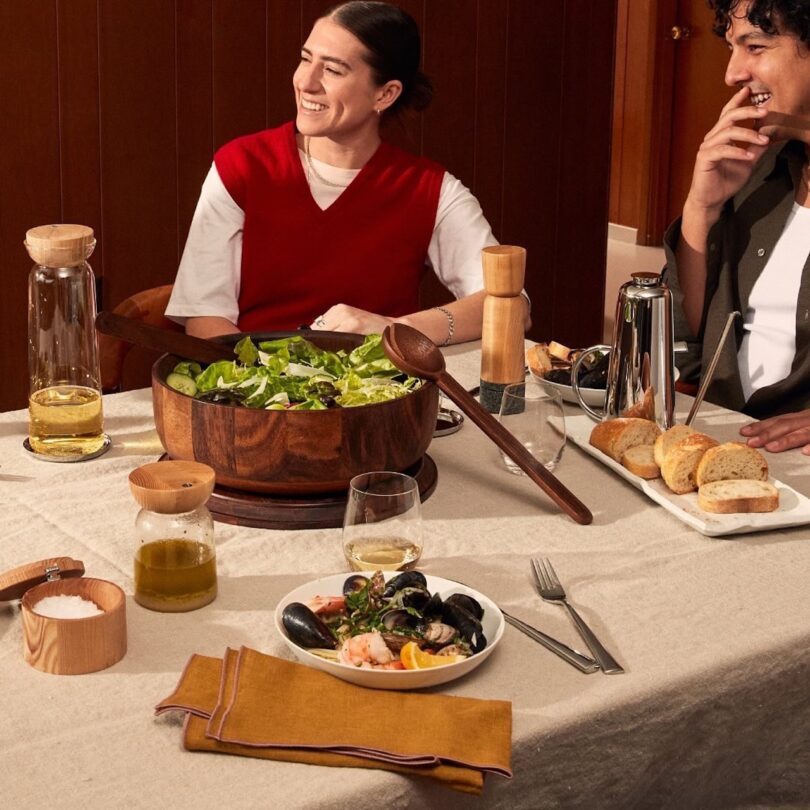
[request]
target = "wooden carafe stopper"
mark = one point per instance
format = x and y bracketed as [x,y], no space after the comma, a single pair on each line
[502,360]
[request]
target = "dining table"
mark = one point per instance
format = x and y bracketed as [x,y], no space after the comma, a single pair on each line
[713,633]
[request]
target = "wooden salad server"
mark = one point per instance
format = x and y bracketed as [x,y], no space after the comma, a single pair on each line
[414,353]
[162,340]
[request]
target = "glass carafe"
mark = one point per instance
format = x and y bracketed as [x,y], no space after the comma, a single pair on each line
[64,404]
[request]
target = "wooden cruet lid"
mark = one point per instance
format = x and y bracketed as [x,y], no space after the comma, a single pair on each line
[171,487]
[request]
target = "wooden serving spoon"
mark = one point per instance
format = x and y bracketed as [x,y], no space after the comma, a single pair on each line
[413,353]
[162,340]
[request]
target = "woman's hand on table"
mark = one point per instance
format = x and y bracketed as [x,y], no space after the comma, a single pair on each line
[343,318]
[784,432]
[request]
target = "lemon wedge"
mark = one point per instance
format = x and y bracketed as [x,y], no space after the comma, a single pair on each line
[414,658]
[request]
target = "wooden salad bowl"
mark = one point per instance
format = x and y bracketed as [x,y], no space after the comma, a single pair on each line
[293,452]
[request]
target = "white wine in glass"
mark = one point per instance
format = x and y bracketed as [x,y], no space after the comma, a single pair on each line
[382,525]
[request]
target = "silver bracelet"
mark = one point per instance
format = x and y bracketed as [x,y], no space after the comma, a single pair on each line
[451,325]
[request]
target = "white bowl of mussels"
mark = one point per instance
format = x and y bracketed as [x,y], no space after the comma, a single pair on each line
[389,630]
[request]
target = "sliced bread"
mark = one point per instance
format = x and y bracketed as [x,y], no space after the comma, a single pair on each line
[679,469]
[732,460]
[741,495]
[668,438]
[615,436]
[538,359]
[644,408]
[641,461]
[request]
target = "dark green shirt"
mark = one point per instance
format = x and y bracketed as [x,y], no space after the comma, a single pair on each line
[739,246]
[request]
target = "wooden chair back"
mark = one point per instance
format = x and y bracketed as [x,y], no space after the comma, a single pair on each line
[146,306]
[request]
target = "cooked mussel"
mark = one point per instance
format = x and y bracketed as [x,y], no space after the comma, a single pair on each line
[561,376]
[355,583]
[305,628]
[468,626]
[596,376]
[433,609]
[468,603]
[415,598]
[407,579]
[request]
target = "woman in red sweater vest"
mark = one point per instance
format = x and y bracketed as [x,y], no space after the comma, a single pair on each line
[319,221]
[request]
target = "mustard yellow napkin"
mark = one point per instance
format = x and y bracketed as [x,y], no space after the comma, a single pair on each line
[256,705]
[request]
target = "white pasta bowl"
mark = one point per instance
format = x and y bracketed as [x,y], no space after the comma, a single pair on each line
[492,623]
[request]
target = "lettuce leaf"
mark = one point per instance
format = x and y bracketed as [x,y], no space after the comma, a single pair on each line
[293,373]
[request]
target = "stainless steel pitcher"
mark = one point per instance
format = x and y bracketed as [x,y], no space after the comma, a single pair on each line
[640,378]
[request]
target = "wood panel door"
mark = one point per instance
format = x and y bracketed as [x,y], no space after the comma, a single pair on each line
[112,110]
[699,93]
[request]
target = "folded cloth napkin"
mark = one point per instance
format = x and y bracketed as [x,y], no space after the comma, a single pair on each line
[256,705]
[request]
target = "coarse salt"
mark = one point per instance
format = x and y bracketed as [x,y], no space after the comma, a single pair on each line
[66,607]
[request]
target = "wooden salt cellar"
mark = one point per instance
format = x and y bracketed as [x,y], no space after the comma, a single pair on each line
[67,646]
[502,356]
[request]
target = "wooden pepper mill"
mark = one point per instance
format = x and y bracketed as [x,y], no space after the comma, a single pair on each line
[502,361]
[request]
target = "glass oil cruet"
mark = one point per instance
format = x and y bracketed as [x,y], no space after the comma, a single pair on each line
[175,557]
[64,403]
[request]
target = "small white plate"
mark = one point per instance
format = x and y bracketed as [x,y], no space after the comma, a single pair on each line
[492,623]
[794,508]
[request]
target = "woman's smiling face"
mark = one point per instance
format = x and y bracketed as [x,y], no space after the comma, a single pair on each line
[335,92]
[775,68]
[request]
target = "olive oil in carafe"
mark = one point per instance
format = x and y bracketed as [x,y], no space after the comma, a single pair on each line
[65,420]
[175,575]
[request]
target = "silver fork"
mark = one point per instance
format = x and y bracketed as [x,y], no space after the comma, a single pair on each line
[550,588]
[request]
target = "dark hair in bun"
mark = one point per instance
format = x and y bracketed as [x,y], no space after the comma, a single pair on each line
[393,47]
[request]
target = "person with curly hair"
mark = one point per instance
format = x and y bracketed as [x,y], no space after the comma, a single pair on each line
[743,240]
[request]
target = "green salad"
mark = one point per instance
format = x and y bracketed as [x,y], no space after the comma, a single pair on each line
[293,374]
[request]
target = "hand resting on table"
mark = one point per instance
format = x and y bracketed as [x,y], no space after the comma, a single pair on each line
[783,432]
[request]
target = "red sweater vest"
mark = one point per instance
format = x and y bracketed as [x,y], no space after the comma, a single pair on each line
[368,249]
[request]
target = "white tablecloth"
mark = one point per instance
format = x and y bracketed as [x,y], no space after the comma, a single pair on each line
[713,711]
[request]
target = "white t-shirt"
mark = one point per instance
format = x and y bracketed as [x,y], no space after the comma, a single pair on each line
[769,344]
[208,278]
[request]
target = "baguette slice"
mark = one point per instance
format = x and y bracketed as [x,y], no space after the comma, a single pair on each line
[640,460]
[732,460]
[741,495]
[538,359]
[645,409]
[668,438]
[679,469]
[615,436]
[558,350]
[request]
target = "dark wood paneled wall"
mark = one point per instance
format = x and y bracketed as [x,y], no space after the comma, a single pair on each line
[112,109]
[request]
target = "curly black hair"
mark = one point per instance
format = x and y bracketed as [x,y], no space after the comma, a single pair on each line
[772,16]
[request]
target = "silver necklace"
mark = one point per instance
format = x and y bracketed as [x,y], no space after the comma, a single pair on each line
[313,172]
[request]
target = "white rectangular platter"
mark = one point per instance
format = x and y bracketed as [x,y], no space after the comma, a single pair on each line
[794,508]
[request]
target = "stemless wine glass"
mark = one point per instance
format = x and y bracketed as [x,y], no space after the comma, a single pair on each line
[382,526]
[534,415]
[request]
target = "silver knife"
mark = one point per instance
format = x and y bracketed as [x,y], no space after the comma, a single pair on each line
[582,662]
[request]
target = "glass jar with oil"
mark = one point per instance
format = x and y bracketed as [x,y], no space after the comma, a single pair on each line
[64,403]
[175,557]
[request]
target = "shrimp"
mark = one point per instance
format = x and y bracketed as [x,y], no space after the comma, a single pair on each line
[368,651]
[327,605]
